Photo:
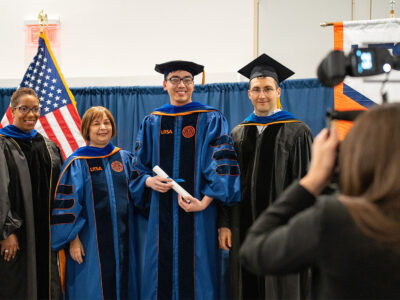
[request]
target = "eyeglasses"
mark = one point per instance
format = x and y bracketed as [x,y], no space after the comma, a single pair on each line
[175,80]
[24,109]
[258,91]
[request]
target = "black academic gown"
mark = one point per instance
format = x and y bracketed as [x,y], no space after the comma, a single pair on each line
[269,162]
[29,171]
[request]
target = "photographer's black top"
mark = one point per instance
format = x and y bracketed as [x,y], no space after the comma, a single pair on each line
[297,232]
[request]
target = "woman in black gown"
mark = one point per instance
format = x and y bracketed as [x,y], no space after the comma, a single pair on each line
[29,168]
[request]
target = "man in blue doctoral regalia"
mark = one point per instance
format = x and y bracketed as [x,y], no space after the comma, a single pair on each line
[189,141]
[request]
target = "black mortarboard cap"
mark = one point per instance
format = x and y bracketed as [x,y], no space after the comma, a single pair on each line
[265,66]
[176,65]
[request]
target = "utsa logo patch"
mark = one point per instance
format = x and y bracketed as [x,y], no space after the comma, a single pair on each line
[166,131]
[96,169]
[117,166]
[188,131]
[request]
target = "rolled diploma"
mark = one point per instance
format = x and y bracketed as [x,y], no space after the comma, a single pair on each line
[176,187]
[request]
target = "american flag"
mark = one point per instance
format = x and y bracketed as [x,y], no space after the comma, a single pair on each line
[59,119]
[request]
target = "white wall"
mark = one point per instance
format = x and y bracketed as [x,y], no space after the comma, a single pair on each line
[118,42]
[289,30]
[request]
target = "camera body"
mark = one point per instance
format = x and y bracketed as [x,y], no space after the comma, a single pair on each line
[370,61]
[360,62]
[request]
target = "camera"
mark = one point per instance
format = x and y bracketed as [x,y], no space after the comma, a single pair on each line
[358,63]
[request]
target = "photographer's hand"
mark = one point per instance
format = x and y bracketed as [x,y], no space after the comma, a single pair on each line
[324,153]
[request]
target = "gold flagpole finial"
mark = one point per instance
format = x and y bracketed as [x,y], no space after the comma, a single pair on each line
[326,24]
[42,20]
[392,3]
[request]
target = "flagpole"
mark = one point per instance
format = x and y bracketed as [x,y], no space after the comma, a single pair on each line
[256,28]
[370,9]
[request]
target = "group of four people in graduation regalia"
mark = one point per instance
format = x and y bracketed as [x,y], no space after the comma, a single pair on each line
[100,186]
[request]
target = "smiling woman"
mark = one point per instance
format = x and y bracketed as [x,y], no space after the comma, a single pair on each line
[93,214]
[98,126]
[25,111]
[29,169]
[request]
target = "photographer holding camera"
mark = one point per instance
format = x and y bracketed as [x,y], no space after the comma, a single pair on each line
[351,239]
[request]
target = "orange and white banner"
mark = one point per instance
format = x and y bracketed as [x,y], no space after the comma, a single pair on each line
[357,93]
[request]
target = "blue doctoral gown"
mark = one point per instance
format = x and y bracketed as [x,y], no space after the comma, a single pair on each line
[191,143]
[93,200]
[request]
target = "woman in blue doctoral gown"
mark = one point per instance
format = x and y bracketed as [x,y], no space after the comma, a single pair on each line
[92,217]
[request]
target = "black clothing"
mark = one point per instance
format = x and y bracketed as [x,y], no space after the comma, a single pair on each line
[29,173]
[268,162]
[297,232]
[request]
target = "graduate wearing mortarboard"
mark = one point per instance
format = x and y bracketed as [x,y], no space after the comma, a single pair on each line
[190,141]
[273,148]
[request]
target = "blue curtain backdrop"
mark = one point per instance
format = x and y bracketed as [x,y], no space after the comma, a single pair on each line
[305,98]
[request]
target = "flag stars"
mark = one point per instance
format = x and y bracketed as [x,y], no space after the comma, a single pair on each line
[42,76]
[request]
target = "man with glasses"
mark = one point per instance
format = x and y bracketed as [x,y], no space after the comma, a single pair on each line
[191,143]
[274,148]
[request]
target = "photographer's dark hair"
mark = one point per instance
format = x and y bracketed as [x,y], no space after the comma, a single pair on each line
[369,173]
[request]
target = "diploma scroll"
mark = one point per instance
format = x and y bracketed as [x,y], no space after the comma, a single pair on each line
[176,187]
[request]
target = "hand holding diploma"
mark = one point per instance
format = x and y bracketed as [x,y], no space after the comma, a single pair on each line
[159,184]
[175,186]
[186,201]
